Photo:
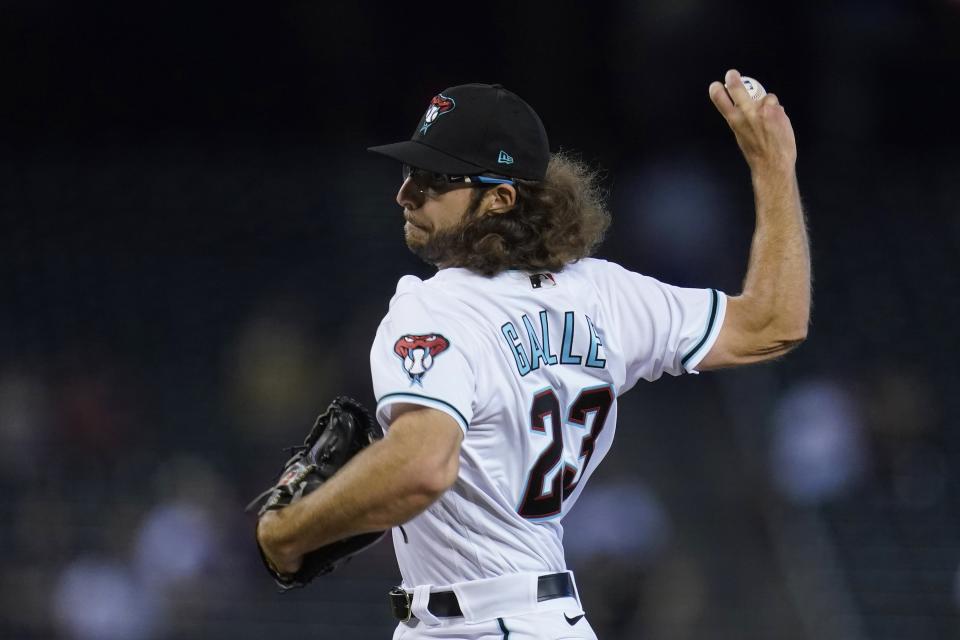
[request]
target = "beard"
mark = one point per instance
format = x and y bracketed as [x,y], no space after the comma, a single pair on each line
[439,248]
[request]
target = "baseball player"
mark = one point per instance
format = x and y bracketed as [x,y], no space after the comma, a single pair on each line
[497,379]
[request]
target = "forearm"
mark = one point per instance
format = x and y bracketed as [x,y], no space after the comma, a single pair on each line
[376,490]
[386,484]
[771,315]
[777,285]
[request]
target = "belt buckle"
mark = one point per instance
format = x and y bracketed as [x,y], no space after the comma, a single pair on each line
[400,602]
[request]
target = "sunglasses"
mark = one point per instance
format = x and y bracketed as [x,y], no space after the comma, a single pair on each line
[434,183]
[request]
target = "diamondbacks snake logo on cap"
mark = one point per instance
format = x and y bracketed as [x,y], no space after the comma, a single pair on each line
[418,352]
[440,105]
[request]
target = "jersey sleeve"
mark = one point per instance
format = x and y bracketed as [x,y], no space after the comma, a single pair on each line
[660,328]
[419,356]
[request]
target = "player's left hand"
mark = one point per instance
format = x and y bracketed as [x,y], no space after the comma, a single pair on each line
[338,434]
[762,128]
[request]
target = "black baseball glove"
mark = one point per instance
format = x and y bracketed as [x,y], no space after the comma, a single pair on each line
[339,433]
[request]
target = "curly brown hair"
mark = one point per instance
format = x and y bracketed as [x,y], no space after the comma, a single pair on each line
[558,220]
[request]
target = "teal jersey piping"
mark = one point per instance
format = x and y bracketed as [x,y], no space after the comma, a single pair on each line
[714,303]
[417,395]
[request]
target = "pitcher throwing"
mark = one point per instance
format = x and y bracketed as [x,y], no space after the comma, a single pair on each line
[497,379]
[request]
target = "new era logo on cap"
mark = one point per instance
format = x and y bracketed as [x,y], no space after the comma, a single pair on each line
[504,158]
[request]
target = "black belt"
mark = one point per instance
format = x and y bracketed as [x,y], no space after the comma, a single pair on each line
[444,604]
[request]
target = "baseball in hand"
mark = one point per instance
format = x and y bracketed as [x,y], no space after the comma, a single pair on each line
[754,88]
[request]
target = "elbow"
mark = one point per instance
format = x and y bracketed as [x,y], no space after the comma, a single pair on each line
[425,446]
[775,339]
[441,480]
[785,340]
[800,335]
[784,331]
[795,336]
[795,331]
[424,488]
[753,334]
[786,346]
[435,478]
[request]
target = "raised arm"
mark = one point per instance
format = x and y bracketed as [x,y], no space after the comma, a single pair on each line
[771,315]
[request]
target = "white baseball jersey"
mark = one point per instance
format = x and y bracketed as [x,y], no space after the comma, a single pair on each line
[530,366]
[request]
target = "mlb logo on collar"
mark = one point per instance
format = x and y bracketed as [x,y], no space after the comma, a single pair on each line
[542,281]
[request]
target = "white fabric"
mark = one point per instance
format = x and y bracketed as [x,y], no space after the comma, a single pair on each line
[606,329]
[419,606]
[505,603]
[550,621]
[490,598]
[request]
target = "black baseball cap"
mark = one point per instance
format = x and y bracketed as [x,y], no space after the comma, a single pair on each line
[476,128]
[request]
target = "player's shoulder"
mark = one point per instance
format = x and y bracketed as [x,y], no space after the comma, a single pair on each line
[423,298]
[413,290]
[420,309]
[407,286]
[409,296]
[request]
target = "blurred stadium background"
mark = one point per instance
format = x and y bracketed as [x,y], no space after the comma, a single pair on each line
[196,251]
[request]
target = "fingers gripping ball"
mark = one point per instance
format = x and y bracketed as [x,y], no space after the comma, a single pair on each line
[754,88]
[338,434]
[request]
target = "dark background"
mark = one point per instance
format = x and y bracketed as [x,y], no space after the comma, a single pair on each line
[196,251]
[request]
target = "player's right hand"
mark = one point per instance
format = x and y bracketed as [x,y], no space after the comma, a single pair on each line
[267,525]
[761,127]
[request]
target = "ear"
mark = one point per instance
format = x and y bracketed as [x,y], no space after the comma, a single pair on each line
[499,199]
